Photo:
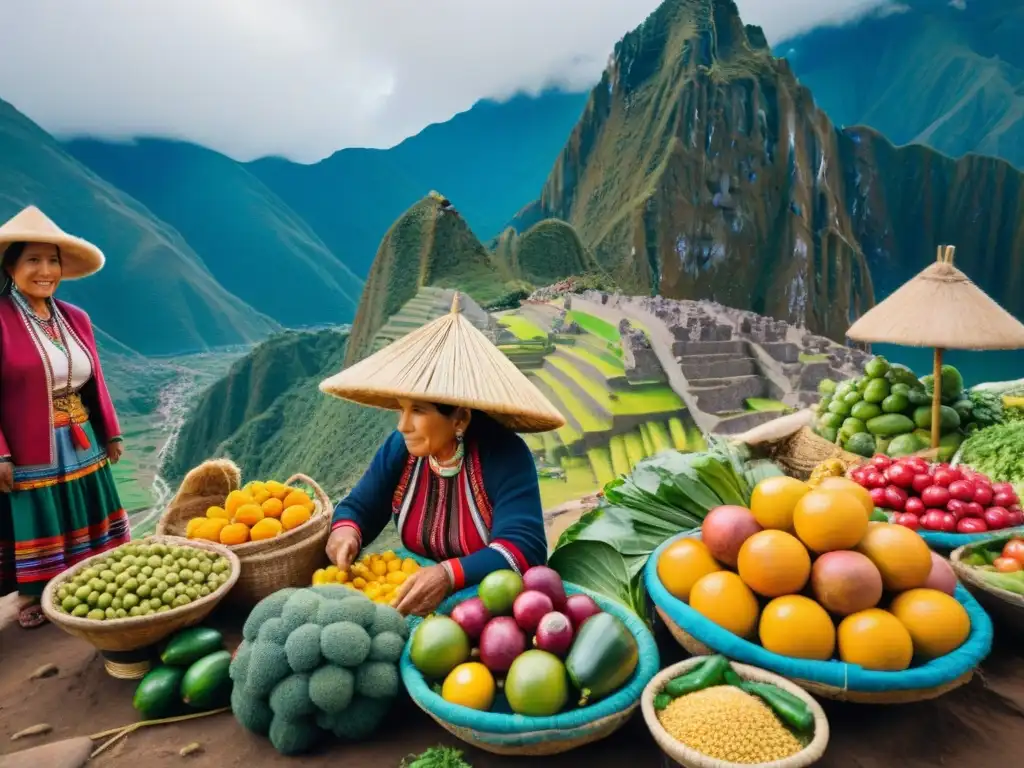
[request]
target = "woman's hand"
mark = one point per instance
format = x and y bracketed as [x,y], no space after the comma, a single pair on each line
[423,591]
[6,477]
[114,451]
[343,546]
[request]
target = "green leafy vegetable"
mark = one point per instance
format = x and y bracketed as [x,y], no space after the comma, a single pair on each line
[436,757]
[1011,582]
[986,408]
[600,568]
[997,451]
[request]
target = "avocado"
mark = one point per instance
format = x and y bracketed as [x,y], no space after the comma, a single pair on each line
[905,445]
[876,391]
[890,424]
[876,367]
[949,419]
[865,411]
[896,403]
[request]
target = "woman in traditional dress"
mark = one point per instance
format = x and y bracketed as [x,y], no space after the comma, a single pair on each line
[58,429]
[459,483]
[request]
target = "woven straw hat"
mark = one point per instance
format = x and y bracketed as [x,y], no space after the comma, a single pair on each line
[940,307]
[447,361]
[79,258]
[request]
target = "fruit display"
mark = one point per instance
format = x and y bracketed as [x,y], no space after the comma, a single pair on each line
[938,497]
[257,511]
[807,574]
[834,467]
[193,676]
[141,579]
[525,646]
[314,662]
[998,562]
[712,710]
[889,410]
[378,575]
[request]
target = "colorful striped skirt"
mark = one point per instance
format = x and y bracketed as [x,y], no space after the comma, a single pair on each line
[59,514]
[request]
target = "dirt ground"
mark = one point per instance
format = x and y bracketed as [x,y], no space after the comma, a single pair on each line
[979,724]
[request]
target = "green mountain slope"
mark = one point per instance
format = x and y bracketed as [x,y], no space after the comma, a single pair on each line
[702,169]
[935,74]
[253,243]
[547,252]
[490,158]
[155,294]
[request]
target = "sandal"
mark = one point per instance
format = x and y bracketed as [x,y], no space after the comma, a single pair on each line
[31,616]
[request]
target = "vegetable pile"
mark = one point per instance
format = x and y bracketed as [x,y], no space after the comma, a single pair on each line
[552,651]
[831,584]
[141,579]
[997,451]
[937,497]
[193,676]
[888,410]
[315,661]
[1000,563]
[714,711]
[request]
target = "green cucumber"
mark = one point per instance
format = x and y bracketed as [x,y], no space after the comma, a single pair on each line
[157,694]
[206,684]
[190,645]
[705,675]
[604,655]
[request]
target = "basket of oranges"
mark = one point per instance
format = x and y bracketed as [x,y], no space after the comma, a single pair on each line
[277,530]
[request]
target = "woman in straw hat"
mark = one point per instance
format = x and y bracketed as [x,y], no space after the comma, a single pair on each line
[58,429]
[459,483]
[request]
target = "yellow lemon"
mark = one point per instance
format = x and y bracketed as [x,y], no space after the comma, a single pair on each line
[469,685]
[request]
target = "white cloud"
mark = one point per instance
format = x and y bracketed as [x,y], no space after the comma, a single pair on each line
[960,5]
[303,78]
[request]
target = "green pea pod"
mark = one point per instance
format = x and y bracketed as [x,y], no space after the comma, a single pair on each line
[708,674]
[790,709]
[661,701]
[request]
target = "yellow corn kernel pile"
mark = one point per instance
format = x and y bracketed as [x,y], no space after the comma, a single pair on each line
[725,723]
[377,576]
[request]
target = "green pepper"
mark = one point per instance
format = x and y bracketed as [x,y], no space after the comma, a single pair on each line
[708,674]
[661,701]
[790,709]
[731,678]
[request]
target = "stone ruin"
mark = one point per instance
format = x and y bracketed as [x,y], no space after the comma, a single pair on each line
[639,359]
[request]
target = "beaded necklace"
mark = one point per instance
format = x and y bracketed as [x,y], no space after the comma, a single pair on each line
[453,466]
[54,330]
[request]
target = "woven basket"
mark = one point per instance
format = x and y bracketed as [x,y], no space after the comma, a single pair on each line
[1007,607]
[691,758]
[828,679]
[798,454]
[137,632]
[509,734]
[288,560]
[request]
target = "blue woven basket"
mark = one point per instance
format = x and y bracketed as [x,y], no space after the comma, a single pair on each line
[947,542]
[830,679]
[511,734]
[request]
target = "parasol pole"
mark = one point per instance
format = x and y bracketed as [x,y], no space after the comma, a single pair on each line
[943,258]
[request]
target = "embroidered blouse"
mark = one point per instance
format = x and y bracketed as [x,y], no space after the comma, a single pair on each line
[485,518]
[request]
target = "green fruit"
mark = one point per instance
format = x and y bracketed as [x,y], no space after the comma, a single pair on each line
[826,387]
[206,684]
[537,684]
[876,391]
[852,398]
[877,367]
[896,403]
[949,419]
[900,389]
[905,445]
[603,657]
[159,692]
[860,443]
[900,374]
[918,396]
[69,603]
[438,645]
[864,411]
[96,614]
[852,426]
[839,406]
[829,433]
[949,444]
[498,591]
[952,382]
[833,420]
[890,424]
[81,610]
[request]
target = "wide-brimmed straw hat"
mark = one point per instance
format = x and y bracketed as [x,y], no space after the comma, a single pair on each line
[78,257]
[447,361]
[940,307]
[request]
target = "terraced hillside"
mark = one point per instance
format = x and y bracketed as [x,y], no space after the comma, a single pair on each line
[428,304]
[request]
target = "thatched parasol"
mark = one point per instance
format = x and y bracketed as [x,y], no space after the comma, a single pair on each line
[941,308]
[447,361]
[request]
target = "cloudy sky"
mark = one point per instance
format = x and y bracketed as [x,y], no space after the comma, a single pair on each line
[303,78]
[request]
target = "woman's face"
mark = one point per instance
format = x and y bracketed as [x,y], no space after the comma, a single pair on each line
[37,271]
[427,431]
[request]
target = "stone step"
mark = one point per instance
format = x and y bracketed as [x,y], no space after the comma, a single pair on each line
[741,422]
[717,366]
[727,394]
[685,348]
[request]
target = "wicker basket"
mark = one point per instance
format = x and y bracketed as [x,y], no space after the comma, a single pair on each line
[691,758]
[827,679]
[798,454]
[138,632]
[508,734]
[288,560]
[1007,607]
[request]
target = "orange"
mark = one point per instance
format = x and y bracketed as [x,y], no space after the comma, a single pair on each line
[272,507]
[259,495]
[267,528]
[193,526]
[249,514]
[798,627]
[829,520]
[846,484]
[723,598]
[236,499]
[218,512]
[938,624]
[682,564]
[774,499]
[210,529]
[278,490]
[875,639]
[294,516]
[298,497]
[900,554]
[235,533]
[774,563]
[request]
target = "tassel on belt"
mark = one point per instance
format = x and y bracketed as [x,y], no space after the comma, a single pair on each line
[69,411]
